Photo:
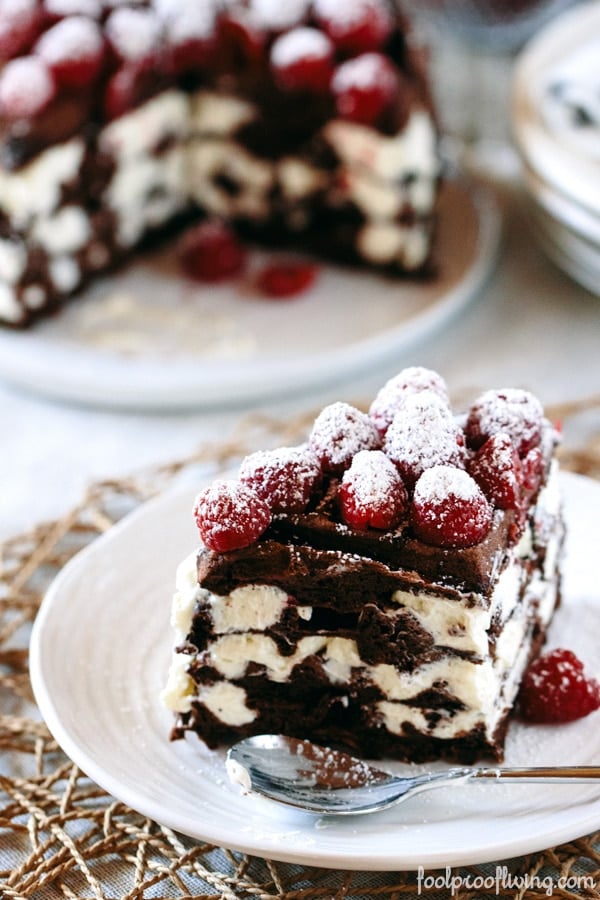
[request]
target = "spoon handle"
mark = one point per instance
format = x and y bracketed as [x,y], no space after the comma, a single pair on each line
[550,774]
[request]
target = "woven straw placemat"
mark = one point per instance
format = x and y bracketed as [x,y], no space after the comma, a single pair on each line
[62,836]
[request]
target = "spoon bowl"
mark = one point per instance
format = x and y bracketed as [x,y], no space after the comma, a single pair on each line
[324,781]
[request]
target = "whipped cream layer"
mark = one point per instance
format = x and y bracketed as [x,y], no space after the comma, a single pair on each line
[78,207]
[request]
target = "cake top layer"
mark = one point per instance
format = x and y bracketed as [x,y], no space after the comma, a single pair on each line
[409,485]
[69,64]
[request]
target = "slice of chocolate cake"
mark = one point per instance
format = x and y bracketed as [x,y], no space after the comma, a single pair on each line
[381,588]
[307,124]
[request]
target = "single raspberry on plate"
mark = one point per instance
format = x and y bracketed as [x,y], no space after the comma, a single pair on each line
[498,471]
[74,51]
[211,252]
[410,380]
[284,478]
[230,515]
[423,434]
[449,509]
[364,87]
[286,279]
[516,412]
[355,26]
[302,60]
[339,432]
[372,494]
[27,87]
[555,688]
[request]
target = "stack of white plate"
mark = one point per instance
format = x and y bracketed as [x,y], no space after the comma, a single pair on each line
[556,119]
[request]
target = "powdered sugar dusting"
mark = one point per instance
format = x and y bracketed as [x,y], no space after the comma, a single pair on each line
[90,8]
[449,509]
[26,86]
[440,482]
[372,492]
[412,379]
[424,434]
[348,12]
[340,431]
[516,412]
[230,515]
[134,33]
[17,10]
[300,43]
[185,21]
[285,478]
[365,71]
[72,38]
[279,14]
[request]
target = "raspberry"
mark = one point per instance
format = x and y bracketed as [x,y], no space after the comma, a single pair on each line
[27,87]
[423,434]
[74,51]
[286,279]
[355,26]
[555,688]
[410,380]
[498,471]
[190,32]
[60,9]
[364,87]
[302,60]
[122,91]
[372,494]
[230,515]
[279,15]
[533,469]
[449,509]
[339,432]
[516,412]
[284,478]
[20,23]
[211,252]
[242,37]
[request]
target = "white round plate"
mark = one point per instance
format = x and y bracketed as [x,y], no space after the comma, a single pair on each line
[149,339]
[99,656]
[567,250]
[564,156]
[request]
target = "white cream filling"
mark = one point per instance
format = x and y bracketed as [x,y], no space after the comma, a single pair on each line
[215,113]
[139,132]
[13,260]
[64,232]
[10,308]
[34,191]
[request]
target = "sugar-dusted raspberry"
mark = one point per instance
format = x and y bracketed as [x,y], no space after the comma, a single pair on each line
[211,252]
[60,9]
[339,432]
[516,412]
[302,60]
[372,494]
[423,434]
[284,478]
[135,35]
[27,87]
[279,15]
[20,24]
[364,87]
[410,380]
[497,469]
[230,515]
[190,31]
[241,36]
[355,26]
[533,469]
[286,279]
[449,508]
[74,51]
[555,688]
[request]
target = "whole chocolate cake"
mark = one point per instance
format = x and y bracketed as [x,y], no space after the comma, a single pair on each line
[382,587]
[304,122]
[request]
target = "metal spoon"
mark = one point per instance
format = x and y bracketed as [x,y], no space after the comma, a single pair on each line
[320,780]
